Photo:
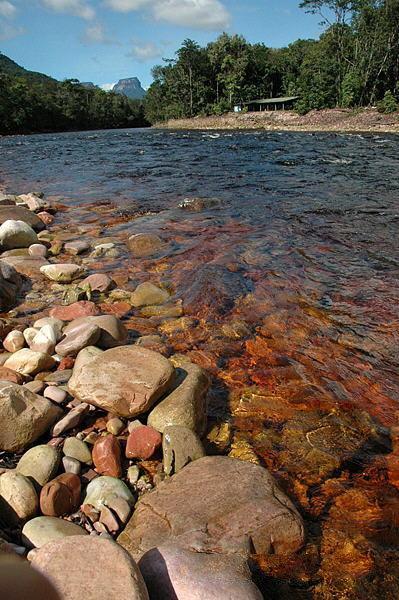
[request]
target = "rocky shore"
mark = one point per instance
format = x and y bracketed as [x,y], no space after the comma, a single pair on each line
[109,485]
[335,120]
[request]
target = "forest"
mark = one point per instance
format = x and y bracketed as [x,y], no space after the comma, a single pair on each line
[354,63]
[32,102]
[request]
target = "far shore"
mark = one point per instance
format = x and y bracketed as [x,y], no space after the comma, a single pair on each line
[367,120]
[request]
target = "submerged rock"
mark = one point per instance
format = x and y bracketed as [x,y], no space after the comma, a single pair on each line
[62,272]
[147,294]
[144,245]
[125,381]
[242,506]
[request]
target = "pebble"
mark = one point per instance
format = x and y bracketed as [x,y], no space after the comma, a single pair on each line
[133,474]
[76,247]
[143,245]
[39,250]
[42,530]
[108,519]
[103,490]
[77,449]
[62,272]
[71,465]
[36,386]
[44,341]
[82,308]
[115,426]
[56,324]
[45,217]
[16,234]
[143,442]
[19,498]
[121,508]
[113,332]
[61,496]
[107,456]
[29,334]
[14,341]
[40,464]
[55,394]
[98,282]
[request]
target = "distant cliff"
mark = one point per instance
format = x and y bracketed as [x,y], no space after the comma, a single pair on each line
[130,87]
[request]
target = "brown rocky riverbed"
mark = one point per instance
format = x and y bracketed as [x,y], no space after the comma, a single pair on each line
[337,119]
[131,352]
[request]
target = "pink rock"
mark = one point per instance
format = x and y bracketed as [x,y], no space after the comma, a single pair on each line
[38,250]
[98,282]
[45,217]
[83,308]
[143,442]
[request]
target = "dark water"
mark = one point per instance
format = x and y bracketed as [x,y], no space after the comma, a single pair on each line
[299,258]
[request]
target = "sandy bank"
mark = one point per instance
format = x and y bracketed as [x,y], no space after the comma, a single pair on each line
[366,120]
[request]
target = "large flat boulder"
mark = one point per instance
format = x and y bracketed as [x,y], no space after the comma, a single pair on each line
[216,504]
[126,380]
[24,416]
[19,213]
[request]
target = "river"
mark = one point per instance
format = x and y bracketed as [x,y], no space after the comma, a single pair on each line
[287,269]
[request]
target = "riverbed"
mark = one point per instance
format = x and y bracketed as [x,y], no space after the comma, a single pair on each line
[281,249]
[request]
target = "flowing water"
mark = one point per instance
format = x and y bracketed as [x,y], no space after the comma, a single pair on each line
[287,270]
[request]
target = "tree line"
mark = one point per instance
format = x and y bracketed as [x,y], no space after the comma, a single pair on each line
[354,63]
[32,103]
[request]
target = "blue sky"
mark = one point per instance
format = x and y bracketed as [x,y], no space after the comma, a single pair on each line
[106,40]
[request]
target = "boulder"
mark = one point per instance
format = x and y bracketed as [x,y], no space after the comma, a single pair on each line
[19,581]
[76,310]
[186,405]
[113,332]
[14,341]
[180,446]
[62,272]
[42,530]
[19,213]
[24,416]
[242,508]
[10,375]
[126,381]
[98,282]
[28,266]
[39,464]
[10,285]
[148,294]
[83,335]
[174,573]
[143,245]
[16,234]
[90,568]
[18,498]
[102,491]
[29,362]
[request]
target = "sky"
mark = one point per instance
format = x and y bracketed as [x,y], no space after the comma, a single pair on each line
[106,40]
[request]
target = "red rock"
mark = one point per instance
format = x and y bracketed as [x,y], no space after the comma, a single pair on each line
[83,308]
[45,217]
[107,456]
[61,496]
[66,363]
[143,442]
[10,375]
[98,282]
[119,309]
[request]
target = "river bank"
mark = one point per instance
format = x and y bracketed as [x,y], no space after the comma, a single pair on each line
[338,120]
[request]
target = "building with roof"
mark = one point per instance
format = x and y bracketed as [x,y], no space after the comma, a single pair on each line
[264,104]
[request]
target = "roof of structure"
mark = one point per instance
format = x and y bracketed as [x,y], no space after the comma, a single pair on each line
[273,100]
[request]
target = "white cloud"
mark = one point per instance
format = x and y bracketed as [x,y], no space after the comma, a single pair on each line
[9,32]
[198,14]
[145,51]
[107,87]
[7,9]
[95,34]
[78,8]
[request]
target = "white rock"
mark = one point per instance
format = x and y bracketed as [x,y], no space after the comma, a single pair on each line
[42,530]
[30,334]
[20,501]
[16,234]
[62,272]
[14,341]
[28,362]
[103,490]
[56,324]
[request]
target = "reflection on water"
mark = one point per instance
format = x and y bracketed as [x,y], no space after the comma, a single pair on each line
[290,277]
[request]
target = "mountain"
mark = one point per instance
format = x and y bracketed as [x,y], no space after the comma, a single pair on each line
[89,85]
[9,67]
[130,87]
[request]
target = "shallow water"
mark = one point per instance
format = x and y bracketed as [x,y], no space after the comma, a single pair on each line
[291,276]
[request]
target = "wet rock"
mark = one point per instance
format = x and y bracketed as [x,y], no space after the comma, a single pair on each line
[14,341]
[77,310]
[24,416]
[77,247]
[102,491]
[113,332]
[143,245]
[242,505]
[55,394]
[34,202]
[98,282]
[62,272]
[38,250]
[19,213]
[186,405]
[213,290]
[10,375]
[143,442]
[165,311]
[211,576]
[61,496]
[147,294]
[10,285]
[39,464]
[16,234]
[45,217]
[105,251]
[105,571]
[180,447]
[77,449]
[18,498]
[42,530]
[83,335]
[107,456]
[29,362]
[199,204]
[28,266]
[125,381]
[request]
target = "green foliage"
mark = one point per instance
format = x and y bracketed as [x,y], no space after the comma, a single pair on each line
[31,102]
[388,104]
[353,63]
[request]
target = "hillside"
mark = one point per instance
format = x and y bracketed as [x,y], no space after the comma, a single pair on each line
[9,67]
